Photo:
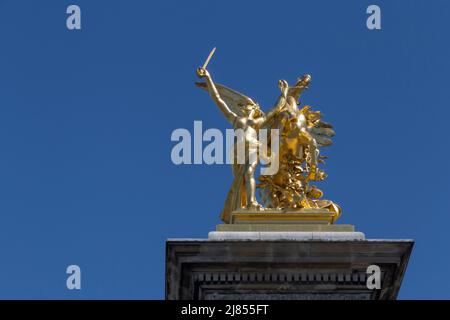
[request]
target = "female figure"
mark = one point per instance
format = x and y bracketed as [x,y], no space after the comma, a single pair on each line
[250,119]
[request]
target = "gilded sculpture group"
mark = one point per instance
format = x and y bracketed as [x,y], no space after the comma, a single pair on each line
[302,133]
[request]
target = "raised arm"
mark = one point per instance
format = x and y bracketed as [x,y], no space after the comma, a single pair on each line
[281,102]
[230,115]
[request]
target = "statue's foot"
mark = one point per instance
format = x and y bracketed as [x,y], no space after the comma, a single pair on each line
[254,206]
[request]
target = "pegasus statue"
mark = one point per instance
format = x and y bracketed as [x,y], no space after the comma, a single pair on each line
[302,133]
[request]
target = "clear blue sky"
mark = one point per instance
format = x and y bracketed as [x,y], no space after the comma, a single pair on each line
[86,117]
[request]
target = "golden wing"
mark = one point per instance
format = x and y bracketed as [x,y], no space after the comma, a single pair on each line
[322,132]
[236,101]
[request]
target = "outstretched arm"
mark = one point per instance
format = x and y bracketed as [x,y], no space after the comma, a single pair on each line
[230,115]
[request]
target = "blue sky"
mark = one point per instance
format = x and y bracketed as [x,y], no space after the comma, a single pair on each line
[86,117]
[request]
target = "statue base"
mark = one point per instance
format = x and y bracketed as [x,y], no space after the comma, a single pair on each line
[295,235]
[288,227]
[284,216]
[278,266]
[283,254]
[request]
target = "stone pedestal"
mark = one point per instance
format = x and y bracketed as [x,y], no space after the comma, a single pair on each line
[284,265]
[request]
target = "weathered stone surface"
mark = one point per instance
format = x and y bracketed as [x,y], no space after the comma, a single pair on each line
[283,269]
[292,235]
[285,227]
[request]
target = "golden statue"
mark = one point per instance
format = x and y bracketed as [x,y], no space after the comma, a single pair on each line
[302,133]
